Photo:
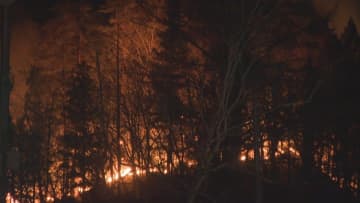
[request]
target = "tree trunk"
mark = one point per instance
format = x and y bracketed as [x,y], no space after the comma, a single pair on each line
[65,183]
[4,106]
[258,156]
[103,137]
[307,148]
[118,91]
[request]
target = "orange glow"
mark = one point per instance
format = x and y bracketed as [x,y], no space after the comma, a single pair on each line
[50,199]
[354,182]
[191,163]
[283,147]
[114,176]
[251,154]
[125,172]
[79,190]
[10,199]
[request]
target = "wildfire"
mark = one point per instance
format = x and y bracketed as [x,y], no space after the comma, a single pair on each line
[79,190]
[283,147]
[50,199]
[114,175]
[10,199]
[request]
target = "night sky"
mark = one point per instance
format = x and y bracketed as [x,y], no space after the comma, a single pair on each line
[28,13]
[38,10]
[339,11]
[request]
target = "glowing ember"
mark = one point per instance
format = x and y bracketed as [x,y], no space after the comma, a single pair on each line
[191,163]
[79,190]
[283,147]
[49,199]
[10,199]
[113,176]
[125,172]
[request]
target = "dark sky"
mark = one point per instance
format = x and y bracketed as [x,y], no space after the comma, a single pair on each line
[22,46]
[340,10]
[38,10]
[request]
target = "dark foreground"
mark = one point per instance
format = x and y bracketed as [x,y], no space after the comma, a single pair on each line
[226,186]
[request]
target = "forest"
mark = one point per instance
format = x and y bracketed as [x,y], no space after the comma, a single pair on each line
[161,101]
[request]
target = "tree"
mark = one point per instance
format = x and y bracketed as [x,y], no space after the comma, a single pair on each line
[232,90]
[169,75]
[81,139]
[69,36]
[130,40]
[350,37]
[36,136]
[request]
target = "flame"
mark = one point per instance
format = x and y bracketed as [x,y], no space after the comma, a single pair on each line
[79,190]
[10,199]
[50,199]
[113,176]
[283,147]
[115,172]
[125,172]
[191,163]
[286,146]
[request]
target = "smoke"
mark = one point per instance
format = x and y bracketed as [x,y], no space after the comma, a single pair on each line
[339,12]
[24,40]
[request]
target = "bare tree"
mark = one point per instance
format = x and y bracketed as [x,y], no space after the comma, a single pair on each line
[233,93]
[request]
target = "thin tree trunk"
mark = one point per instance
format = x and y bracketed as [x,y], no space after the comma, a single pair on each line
[104,139]
[48,177]
[289,159]
[148,152]
[79,36]
[118,93]
[65,158]
[307,144]
[4,106]
[169,150]
[258,153]
[34,190]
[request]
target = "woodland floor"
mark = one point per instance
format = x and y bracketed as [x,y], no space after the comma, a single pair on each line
[225,186]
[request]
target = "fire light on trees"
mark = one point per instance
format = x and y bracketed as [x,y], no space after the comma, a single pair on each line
[124,95]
